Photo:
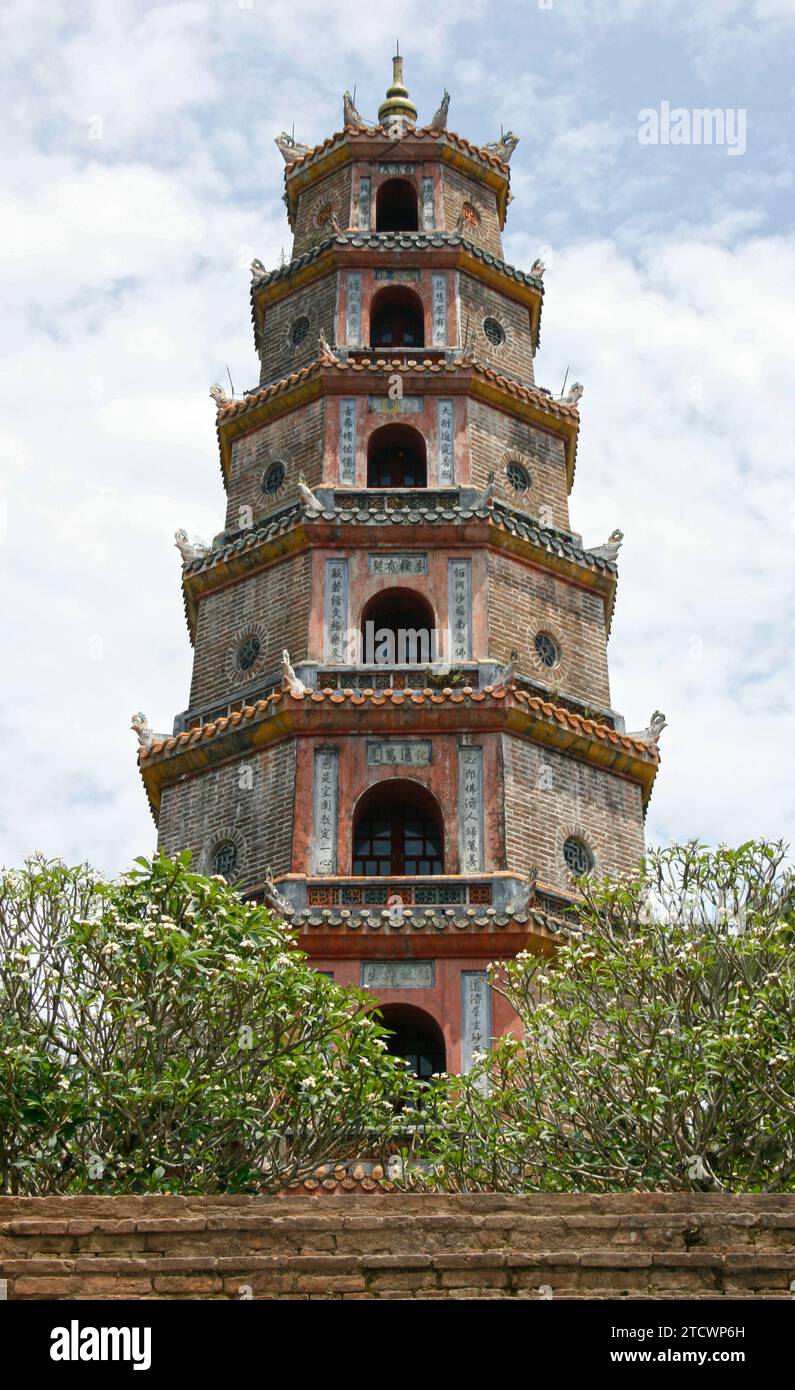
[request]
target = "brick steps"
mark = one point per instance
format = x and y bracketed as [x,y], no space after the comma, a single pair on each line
[396,1246]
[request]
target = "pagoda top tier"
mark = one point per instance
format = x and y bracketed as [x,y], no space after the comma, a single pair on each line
[395,135]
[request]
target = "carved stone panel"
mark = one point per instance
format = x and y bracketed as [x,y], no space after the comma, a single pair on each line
[397,974]
[470,809]
[428,210]
[354,315]
[439,308]
[399,753]
[459,585]
[325,798]
[475,1016]
[347,447]
[364,204]
[446,464]
[335,597]
[382,563]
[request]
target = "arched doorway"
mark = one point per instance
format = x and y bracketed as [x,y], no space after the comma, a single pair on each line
[396,457]
[398,629]
[396,206]
[397,319]
[398,830]
[415,1035]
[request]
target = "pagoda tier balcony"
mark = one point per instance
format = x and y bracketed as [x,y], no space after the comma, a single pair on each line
[444,905]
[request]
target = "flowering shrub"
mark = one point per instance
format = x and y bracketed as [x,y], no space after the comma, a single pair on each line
[656,1049]
[160,1034]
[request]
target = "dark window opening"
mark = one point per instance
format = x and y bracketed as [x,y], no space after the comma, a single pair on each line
[398,831]
[397,630]
[423,1050]
[396,207]
[396,458]
[397,320]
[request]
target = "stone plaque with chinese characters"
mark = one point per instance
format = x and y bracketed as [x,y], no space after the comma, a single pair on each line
[470,809]
[347,450]
[397,974]
[401,405]
[439,308]
[459,586]
[354,315]
[444,424]
[396,169]
[324,812]
[475,1016]
[403,753]
[397,564]
[428,213]
[364,204]
[397,272]
[336,609]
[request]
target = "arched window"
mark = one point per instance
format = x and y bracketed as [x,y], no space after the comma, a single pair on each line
[397,319]
[415,1036]
[396,207]
[398,630]
[396,457]
[398,830]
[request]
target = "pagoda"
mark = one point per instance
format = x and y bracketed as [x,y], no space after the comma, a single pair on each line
[400,730]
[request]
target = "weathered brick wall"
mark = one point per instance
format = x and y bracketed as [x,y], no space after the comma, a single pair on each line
[317,301]
[296,440]
[272,605]
[334,190]
[459,188]
[249,801]
[478,302]
[549,796]
[394,1246]
[523,602]
[493,435]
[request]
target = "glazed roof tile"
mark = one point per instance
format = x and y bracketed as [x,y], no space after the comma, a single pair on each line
[496,697]
[556,542]
[419,919]
[379,132]
[387,367]
[396,241]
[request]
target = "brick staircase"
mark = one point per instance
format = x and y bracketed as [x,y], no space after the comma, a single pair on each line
[398,1246]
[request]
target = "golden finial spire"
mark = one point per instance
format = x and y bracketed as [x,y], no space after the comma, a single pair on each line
[398,104]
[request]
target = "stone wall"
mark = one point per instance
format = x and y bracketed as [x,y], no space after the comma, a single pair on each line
[395,1246]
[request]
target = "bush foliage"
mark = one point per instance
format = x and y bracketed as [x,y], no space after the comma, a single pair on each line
[160,1034]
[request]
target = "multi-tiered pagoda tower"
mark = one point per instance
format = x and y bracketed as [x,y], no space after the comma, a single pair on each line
[438,755]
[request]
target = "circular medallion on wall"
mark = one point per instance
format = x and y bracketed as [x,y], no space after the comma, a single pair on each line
[546,649]
[273,478]
[494,331]
[518,475]
[324,214]
[574,854]
[299,329]
[245,657]
[224,853]
[470,215]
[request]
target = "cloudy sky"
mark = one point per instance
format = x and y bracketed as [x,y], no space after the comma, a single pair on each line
[140,177]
